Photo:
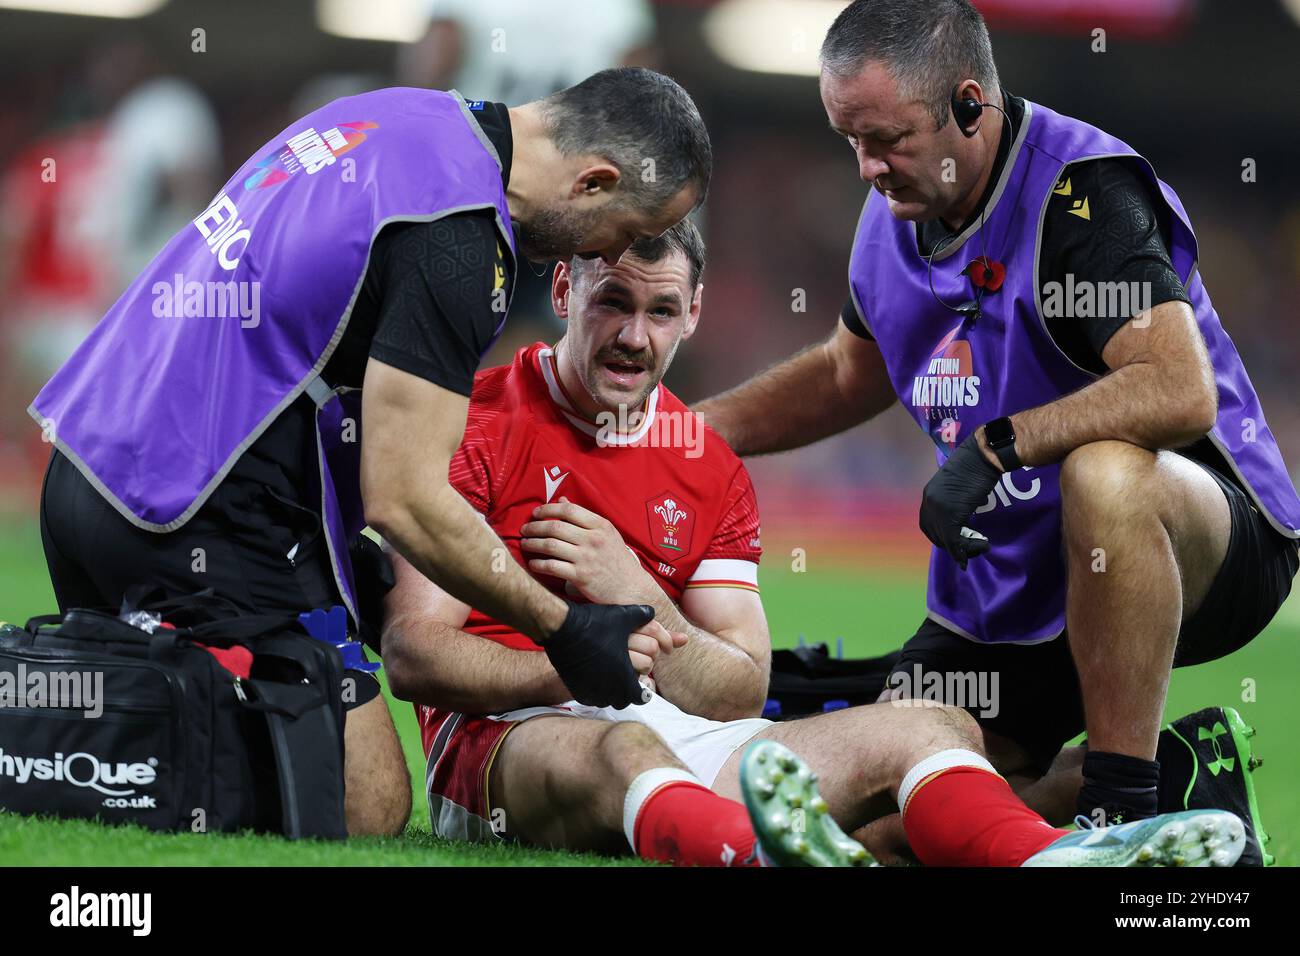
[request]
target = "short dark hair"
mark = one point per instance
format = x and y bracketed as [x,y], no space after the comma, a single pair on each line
[929,47]
[684,238]
[629,115]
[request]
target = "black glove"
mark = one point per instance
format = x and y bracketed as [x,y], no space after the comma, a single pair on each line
[589,652]
[951,497]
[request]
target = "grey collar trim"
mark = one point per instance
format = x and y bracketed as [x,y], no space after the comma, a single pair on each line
[478,130]
[1012,156]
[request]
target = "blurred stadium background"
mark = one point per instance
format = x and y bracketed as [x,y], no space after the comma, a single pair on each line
[144,107]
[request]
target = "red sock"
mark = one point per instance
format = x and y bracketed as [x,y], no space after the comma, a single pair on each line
[969,816]
[687,824]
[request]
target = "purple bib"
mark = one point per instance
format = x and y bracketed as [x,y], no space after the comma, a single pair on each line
[953,375]
[235,318]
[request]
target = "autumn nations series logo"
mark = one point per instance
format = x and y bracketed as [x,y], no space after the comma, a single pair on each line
[309,152]
[947,385]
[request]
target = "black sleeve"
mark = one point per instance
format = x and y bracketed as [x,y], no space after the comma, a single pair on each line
[1104,225]
[442,288]
[854,322]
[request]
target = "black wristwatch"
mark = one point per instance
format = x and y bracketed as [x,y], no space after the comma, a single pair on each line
[1001,439]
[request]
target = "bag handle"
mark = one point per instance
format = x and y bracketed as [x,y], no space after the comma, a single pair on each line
[35,623]
[272,697]
[91,624]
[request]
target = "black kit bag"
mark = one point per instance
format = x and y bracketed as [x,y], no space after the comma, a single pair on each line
[808,680]
[174,740]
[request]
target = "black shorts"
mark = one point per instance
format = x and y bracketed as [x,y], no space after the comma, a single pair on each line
[1039,704]
[238,543]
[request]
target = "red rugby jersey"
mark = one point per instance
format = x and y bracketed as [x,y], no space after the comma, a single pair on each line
[677,494]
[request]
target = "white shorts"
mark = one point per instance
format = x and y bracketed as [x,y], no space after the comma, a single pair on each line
[702,744]
[462,748]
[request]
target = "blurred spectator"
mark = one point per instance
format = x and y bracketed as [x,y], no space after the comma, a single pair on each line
[87,207]
[516,51]
[54,278]
[328,87]
[162,156]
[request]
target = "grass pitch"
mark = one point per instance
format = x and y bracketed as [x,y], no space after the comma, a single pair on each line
[873,610]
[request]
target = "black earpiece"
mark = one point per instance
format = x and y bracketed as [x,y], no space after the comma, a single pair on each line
[966,111]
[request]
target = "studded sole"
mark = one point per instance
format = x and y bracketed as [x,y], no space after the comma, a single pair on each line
[791,820]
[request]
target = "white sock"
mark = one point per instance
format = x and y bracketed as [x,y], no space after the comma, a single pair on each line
[943,760]
[646,783]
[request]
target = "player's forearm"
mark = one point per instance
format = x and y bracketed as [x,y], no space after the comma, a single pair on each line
[448,542]
[1142,403]
[709,677]
[430,662]
[791,404]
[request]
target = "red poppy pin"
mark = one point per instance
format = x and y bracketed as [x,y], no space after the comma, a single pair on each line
[987,274]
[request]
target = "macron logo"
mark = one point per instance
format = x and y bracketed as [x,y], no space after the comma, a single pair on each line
[553,480]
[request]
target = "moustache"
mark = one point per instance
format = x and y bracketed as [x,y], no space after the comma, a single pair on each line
[643,359]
